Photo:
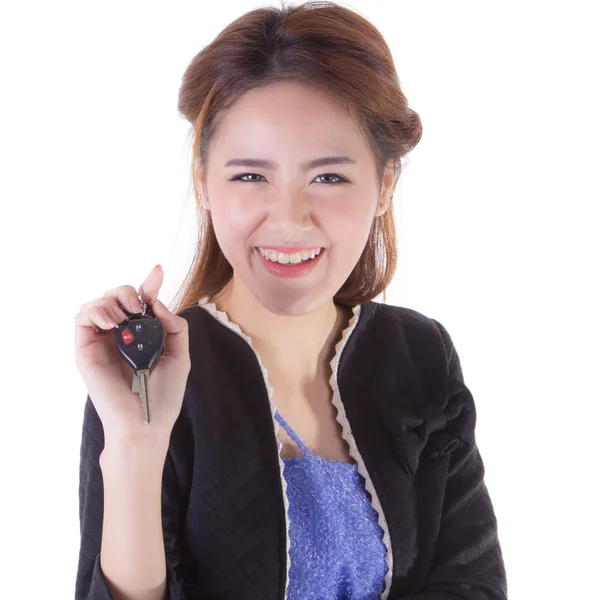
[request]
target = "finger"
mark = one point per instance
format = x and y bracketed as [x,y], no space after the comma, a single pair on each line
[126,296]
[112,307]
[85,321]
[151,285]
[176,331]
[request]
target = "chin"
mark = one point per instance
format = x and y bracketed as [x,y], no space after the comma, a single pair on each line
[290,303]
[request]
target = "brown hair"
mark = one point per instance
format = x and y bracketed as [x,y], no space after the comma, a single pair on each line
[345,56]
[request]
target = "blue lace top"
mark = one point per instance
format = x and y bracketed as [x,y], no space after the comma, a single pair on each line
[336,547]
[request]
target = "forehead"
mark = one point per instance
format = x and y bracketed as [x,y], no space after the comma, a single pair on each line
[288,111]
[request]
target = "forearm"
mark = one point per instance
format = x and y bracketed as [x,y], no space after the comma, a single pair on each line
[132,553]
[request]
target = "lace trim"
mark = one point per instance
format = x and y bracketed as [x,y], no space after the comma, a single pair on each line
[347,435]
[341,418]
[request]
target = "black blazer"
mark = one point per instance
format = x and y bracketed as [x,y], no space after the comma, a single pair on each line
[409,420]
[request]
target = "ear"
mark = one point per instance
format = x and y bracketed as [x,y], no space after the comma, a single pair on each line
[387,191]
[203,196]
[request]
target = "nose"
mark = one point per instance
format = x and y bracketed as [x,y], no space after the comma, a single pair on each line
[292,211]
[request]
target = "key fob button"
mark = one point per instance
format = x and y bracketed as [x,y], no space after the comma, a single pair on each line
[127,337]
[144,346]
[138,327]
[153,332]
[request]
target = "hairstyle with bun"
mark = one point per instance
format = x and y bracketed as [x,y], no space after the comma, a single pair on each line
[325,45]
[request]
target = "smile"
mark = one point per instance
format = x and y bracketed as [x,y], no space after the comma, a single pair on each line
[290,265]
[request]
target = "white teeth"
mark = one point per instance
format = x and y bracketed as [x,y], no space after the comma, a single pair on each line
[284,259]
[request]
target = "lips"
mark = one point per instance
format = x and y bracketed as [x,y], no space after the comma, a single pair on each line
[290,269]
[289,249]
[303,255]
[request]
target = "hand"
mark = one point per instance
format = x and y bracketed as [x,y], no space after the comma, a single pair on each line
[108,376]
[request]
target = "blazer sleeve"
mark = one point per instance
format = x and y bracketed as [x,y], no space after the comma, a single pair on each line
[90,583]
[468,562]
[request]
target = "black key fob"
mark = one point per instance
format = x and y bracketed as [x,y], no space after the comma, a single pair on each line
[140,339]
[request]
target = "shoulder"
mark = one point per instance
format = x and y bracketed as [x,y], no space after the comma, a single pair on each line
[408,328]
[206,324]
[413,349]
[192,314]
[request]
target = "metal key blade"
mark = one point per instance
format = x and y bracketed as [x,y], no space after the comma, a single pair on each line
[135,384]
[144,379]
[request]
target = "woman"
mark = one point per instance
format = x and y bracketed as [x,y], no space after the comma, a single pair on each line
[306,442]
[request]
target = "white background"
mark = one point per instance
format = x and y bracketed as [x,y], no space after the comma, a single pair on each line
[497,231]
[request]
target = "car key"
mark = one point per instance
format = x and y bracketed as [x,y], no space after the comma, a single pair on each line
[135,384]
[140,341]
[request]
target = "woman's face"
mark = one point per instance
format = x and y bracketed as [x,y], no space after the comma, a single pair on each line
[287,203]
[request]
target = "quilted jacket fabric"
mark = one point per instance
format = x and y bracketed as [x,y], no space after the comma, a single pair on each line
[409,421]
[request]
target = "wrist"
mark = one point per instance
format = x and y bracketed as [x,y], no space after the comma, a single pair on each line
[134,447]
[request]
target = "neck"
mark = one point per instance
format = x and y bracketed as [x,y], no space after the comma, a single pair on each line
[297,349]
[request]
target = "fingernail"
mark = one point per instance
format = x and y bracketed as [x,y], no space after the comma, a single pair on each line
[135,305]
[119,314]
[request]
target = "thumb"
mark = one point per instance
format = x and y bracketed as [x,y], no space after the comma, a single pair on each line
[152,284]
[175,327]
[166,317]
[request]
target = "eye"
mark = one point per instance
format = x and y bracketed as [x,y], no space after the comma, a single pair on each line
[241,175]
[339,177]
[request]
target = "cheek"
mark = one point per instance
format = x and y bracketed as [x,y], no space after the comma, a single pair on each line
[347,225]
[348,232]
[234,223]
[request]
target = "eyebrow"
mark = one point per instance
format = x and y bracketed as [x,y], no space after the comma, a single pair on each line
[269,164]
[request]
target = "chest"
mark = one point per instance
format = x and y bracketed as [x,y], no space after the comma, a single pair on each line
[312,416]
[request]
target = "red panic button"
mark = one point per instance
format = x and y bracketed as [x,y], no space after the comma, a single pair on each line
[126,336]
